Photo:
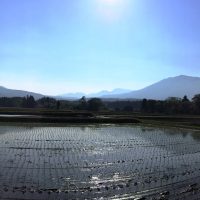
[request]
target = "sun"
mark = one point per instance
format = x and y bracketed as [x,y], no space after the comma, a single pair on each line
[111,2]
[111,10]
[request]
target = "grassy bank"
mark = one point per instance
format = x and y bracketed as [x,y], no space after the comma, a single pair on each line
[81,120]
[186,122]
[67,116]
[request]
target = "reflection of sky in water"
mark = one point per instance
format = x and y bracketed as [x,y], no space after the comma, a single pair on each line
[98,156]
[3,130]
[113,137]
[15,115]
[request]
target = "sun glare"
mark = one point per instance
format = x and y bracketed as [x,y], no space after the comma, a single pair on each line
[111,10]
[111,2]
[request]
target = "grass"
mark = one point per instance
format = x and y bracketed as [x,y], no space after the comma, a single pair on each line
[189,122]
[67,116]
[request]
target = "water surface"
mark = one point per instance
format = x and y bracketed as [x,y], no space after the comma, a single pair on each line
[103,161]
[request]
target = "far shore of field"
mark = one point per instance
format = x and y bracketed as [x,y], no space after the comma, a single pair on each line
[84,117]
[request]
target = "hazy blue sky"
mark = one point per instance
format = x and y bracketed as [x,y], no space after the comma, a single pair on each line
[58,46]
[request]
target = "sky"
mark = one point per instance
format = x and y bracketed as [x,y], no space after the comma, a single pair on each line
[55,47]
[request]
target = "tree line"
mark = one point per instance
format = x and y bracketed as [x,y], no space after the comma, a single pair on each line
[27,102]
[171,105]
[94,104]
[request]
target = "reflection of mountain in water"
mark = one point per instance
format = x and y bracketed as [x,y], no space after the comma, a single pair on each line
[196,136]
[176,141]
[11,129]
[3,130]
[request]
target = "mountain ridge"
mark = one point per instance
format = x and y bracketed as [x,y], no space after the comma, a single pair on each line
[97,94]
[177,86]
[6,92]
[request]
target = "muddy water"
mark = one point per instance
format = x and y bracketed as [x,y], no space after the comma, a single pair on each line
[93,162]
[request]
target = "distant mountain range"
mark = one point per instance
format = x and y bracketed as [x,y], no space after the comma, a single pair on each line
[5,92]
[102,93]
[171,87]
[76,95]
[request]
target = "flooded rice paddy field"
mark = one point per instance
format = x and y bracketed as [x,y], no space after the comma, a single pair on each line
[98,162]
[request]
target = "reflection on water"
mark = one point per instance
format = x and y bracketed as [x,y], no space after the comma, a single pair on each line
[3,130]
[96,161]
[7,115]
[196,136]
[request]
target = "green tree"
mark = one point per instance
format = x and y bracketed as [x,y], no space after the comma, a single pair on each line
[196,101]
[173,105]
[186,107]
[95,104]
[151,105]
[47,102]
[128,108]
[58,105]
[185,99]
[31,103]
[144,105]
[173,99]
[82,104]
[28,102]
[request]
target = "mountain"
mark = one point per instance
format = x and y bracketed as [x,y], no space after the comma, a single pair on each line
[116,91]
[78,95]
[5,92]
[171,87]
